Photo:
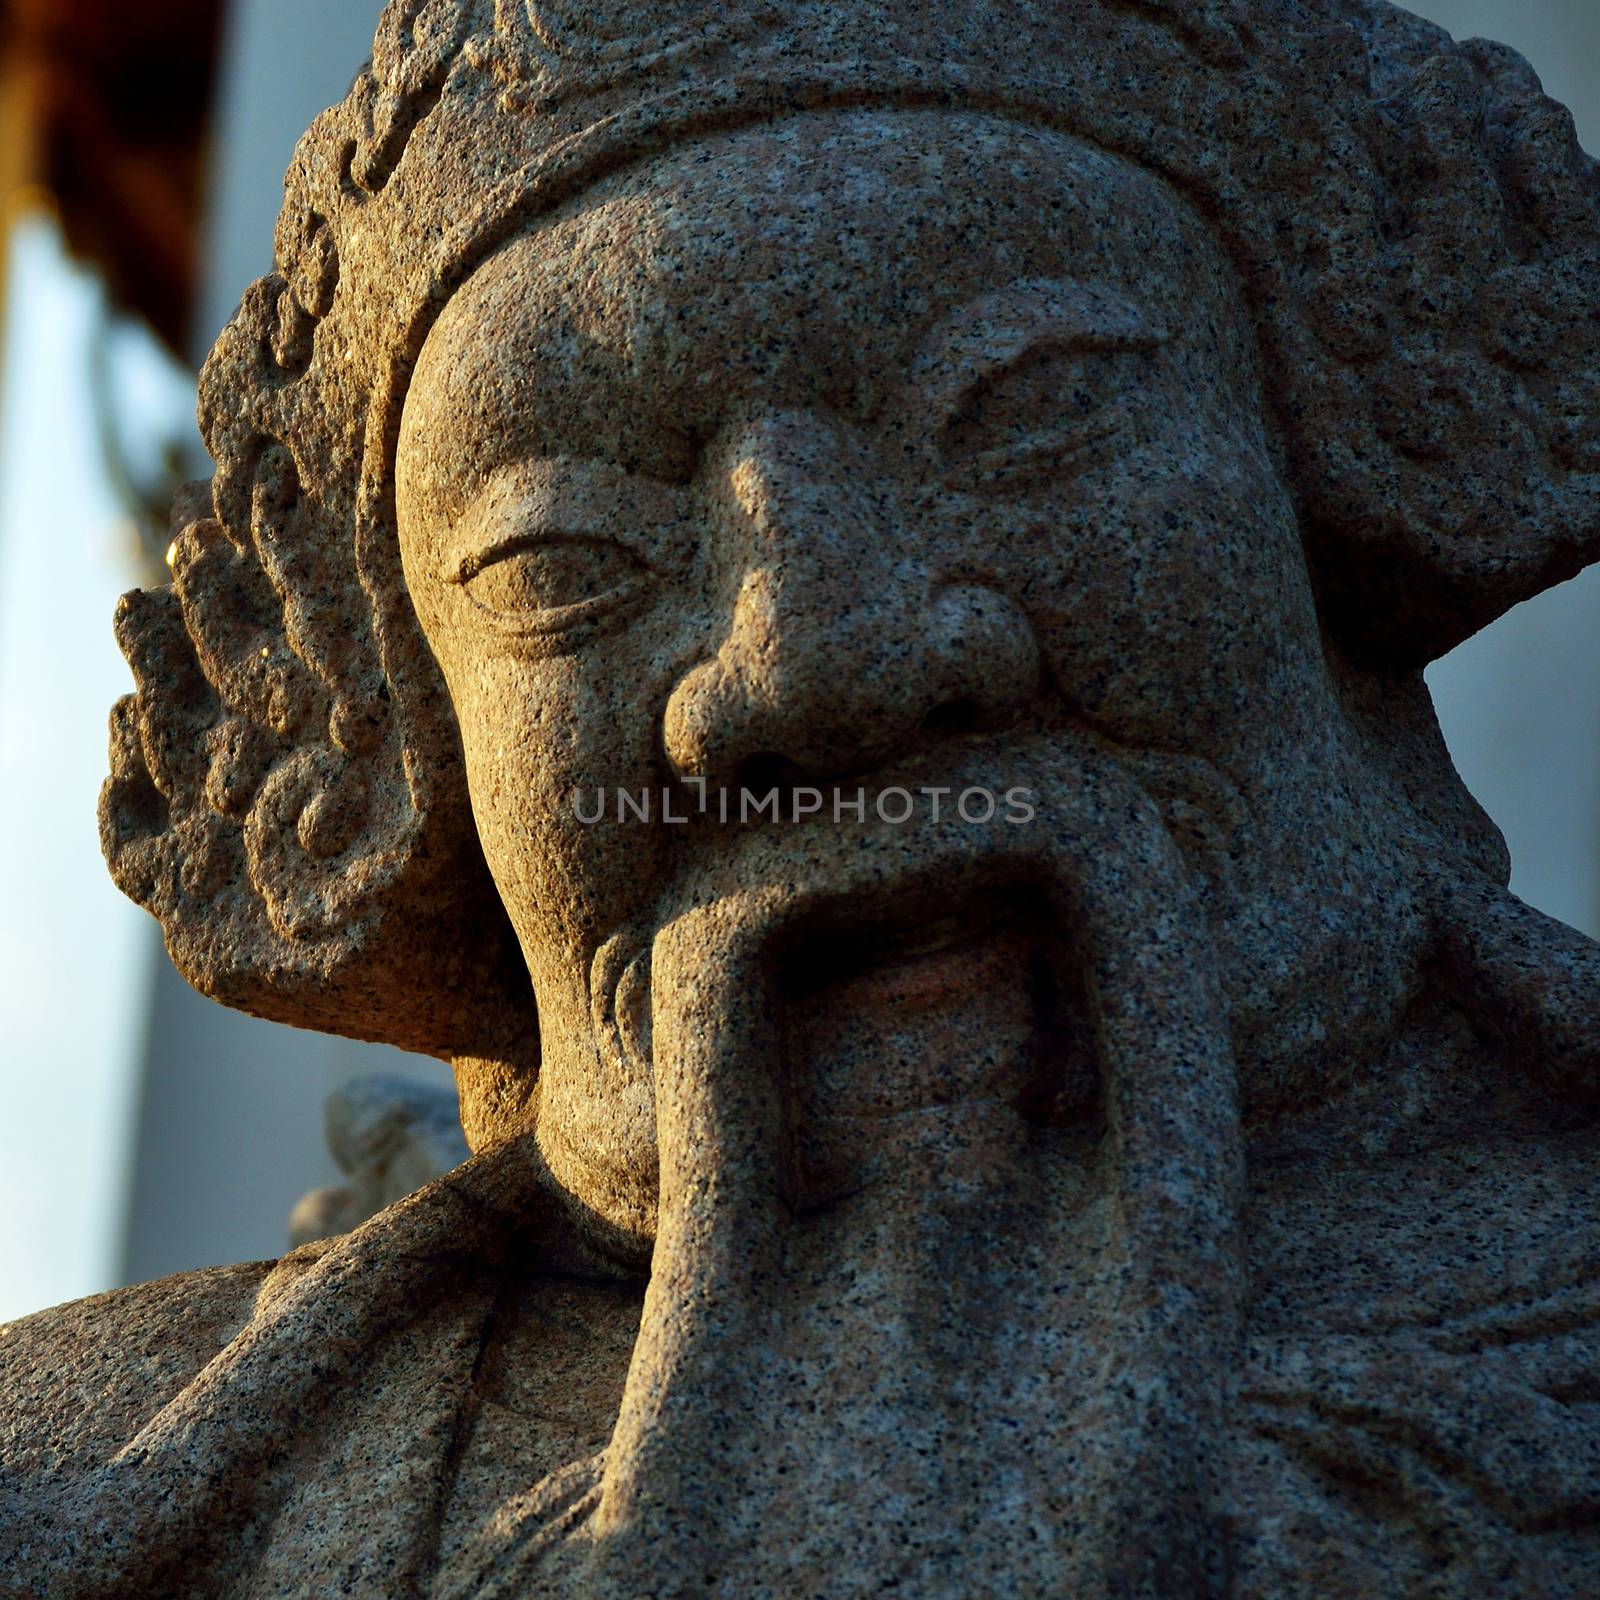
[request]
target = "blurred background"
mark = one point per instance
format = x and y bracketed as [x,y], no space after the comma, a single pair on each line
[144,1130]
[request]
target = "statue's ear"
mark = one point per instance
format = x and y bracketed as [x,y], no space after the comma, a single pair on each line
[287,796]
[1527,980]
[1442,417]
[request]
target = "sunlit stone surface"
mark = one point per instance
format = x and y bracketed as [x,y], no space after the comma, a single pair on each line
[830,601]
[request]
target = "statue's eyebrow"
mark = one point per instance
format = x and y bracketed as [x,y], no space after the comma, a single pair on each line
[990,334]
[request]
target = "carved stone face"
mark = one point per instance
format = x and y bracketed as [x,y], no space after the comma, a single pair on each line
[1093,1142]
[870,450]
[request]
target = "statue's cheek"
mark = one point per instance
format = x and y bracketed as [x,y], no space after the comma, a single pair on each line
[550,746]
[1173,609]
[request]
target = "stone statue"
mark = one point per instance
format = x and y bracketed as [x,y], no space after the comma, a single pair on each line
[1057,1098]
[389,1136]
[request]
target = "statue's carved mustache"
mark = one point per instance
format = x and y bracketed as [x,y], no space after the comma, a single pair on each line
[1131,1365]
[862,892]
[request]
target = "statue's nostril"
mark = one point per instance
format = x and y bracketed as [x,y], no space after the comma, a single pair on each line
[766,771]
[953,717]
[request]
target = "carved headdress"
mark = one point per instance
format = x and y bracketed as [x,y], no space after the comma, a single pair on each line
[1415,228]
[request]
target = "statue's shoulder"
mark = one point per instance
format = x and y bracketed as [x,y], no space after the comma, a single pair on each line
[84,1377]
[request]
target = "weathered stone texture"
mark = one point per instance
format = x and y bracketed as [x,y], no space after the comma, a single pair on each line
[1171,1180]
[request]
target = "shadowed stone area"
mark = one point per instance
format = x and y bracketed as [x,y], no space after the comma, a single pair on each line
[830,602]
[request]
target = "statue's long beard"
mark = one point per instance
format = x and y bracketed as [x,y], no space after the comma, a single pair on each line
[999,1365]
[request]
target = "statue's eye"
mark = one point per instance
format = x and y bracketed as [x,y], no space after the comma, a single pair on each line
[1041,415]
[553,583]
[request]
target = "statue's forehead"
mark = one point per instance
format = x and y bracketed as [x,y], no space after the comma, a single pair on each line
[813,253]
[865,198]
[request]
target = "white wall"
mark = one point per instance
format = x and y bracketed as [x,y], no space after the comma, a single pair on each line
[75,957]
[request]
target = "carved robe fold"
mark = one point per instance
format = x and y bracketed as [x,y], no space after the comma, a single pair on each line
[423,1407]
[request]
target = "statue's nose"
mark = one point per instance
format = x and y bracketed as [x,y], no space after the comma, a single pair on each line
[849,638]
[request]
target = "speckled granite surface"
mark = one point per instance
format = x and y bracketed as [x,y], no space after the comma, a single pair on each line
[1099,1126]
